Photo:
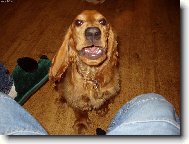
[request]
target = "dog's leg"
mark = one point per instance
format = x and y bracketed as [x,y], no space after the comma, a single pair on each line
[103,110]
[109,92]
[82,121]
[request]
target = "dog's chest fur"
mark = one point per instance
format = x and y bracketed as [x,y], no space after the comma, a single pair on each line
[83,87]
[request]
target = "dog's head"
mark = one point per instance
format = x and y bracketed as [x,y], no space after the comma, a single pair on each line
[89,38]
[90,31]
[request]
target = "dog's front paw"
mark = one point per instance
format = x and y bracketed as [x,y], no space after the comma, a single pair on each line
[80,126]
[82,121]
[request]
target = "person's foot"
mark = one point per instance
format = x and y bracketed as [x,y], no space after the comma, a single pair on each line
[6,82]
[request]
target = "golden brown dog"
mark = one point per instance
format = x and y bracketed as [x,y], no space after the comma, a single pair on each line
[85,67]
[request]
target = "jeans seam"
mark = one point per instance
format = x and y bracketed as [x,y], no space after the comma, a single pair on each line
[131,104]
[152,120]
[10,132]
[33,132]
[143,101]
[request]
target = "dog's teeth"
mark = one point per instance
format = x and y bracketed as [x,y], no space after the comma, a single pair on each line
[92,52]
[86,50]
[93,55]
[99,51]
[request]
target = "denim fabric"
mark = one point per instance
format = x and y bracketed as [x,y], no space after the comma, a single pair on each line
[14,120]
[147,114]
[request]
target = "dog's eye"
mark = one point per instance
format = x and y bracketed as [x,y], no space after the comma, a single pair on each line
[102,21]
[78,22]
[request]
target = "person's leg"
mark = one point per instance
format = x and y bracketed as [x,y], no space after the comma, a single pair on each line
[15,120]
[147,114]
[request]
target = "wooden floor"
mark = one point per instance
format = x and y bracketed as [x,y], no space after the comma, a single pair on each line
[149,47]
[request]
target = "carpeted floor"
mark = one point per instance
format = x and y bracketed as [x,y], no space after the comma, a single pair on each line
[149,47]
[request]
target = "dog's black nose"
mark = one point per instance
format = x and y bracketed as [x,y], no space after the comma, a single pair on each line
[92,33]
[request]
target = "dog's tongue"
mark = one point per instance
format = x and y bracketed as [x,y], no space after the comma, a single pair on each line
[92,50]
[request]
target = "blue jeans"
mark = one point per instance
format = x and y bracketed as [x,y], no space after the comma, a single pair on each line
[15,120]
[148,114]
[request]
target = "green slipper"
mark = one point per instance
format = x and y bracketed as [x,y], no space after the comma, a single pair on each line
[29,75]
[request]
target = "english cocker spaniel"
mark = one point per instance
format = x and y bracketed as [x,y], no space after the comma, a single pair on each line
[85,68]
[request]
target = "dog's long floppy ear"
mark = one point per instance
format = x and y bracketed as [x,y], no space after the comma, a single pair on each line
[112,45]
[62,59]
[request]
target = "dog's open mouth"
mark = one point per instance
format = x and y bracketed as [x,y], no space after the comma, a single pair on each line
[92,52]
